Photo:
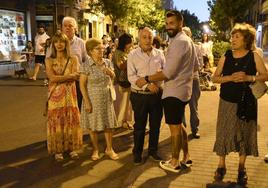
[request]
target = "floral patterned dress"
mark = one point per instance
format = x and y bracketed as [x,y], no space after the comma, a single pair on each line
[98,83]
[63,125]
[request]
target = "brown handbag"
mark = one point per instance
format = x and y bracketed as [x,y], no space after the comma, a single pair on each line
[258,89]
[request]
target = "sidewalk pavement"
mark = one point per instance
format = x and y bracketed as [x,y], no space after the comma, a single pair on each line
[30,166]
[204,160]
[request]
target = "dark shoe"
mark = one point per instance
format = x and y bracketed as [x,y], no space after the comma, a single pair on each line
[186,164]
[155,156]
[242,177]
[196,135]
[266,158]
[219,174]
[137,160]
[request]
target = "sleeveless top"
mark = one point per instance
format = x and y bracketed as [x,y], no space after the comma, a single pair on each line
[231,91]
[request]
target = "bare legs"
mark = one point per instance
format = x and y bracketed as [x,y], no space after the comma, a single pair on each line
[242,161]
[108,133]
[108,138]
[36,70]
[222,162]
[221,170]
[178,141]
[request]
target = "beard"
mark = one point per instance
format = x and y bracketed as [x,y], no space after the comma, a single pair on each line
[172,32]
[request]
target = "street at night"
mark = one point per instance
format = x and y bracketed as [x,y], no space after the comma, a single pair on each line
[25,162]
[134,94]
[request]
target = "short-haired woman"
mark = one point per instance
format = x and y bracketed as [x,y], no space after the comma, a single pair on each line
[97,113]
[236,70]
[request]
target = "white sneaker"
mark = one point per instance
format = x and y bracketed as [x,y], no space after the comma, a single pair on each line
[166,165]
[266,158]
[45,82]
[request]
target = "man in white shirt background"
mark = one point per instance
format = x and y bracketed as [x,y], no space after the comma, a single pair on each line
[77,47]
[40,42]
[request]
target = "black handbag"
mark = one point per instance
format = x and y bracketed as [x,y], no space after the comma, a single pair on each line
[247,106]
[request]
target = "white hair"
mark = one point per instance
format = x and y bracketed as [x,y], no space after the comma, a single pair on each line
[145,29]
[187,31]
[70,19]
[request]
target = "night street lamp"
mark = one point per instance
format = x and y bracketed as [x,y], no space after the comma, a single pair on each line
[205,28]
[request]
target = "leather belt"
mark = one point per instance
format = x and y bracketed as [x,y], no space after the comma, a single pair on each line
[142,92]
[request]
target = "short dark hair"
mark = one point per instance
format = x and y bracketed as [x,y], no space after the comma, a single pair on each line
[123,40]
[175,13]
[157,42]
[41,25]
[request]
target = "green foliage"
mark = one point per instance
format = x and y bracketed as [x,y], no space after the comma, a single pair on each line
[226,12]
[147,13]
[220,47]
[134,12]
[191,21]
[220,34]
[110,8]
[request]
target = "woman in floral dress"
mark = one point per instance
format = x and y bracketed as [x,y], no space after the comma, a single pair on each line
[97,113]
[63,126]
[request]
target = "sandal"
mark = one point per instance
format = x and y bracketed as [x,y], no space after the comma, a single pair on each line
[242,177]
[32,78]
[73,155]
[95,156]
[126,125]
[59,157]
[219,174]
[112,154]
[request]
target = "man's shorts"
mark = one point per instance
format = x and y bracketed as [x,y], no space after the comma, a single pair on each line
[174,110]
[40,59]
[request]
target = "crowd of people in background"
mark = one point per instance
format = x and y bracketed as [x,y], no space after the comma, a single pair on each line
[100,85]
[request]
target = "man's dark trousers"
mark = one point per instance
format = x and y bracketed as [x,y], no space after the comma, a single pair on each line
[144,105]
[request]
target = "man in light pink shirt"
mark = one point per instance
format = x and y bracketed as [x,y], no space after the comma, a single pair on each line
[178,75]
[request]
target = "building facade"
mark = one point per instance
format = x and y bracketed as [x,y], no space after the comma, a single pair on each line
[16,25]
[257,15]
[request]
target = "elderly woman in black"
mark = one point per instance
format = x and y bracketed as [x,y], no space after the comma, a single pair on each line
[235,71]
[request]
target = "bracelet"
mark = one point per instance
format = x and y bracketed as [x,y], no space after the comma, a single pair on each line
[147,79]
[253,78]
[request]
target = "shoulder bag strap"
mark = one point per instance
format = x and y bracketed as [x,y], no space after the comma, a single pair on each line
[62,75]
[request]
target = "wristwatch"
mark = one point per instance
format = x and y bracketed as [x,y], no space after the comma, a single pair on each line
[147,79]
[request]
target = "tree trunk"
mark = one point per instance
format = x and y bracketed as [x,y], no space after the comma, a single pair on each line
[231,22]
[113,22]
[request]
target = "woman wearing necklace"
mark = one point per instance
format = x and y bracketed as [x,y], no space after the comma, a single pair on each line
[63,126]
[97,113]
[235,71]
